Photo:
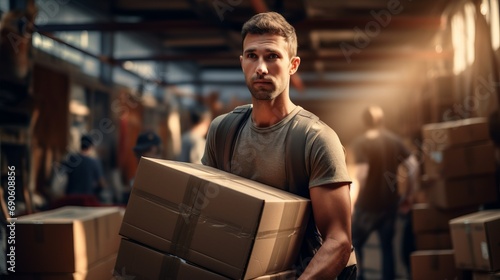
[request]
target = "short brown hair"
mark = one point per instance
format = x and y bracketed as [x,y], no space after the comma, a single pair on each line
[271,23]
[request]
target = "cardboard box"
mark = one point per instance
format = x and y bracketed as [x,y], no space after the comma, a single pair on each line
[461,161]
[99,270]
[230,225]
[476,240]
[433,240]
[428,218]
[66,240]
[476,275]
[462,192]
[440,136]
[434,264]
[139,262]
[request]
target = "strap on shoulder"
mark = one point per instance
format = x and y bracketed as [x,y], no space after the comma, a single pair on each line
[226,134]
[295,166]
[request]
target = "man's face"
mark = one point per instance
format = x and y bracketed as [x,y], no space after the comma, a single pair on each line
[267,65]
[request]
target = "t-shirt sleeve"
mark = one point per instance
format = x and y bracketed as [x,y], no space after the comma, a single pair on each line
[209,158]
[325,157]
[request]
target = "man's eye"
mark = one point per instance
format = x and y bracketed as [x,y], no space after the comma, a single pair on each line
[251,55]
[273,56]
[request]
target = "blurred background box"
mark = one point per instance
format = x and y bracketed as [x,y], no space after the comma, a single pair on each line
[66,240]
[476,240]
[430,218]
[440,136]
[439,240]
[461,192]
[101,269]
[461,161]
[433,264]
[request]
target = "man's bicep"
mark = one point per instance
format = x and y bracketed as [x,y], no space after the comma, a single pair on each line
[332,210]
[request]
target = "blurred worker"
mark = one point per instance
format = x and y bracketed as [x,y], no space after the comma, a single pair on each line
[148,144]
[193,140]
[378,153]
[85,175]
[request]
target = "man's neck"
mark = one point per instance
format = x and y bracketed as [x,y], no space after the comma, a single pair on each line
[373,132]
[269,112]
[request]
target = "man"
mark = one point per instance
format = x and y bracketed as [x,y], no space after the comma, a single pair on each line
[269,59]
[378,153]
[85,175]
[148,144]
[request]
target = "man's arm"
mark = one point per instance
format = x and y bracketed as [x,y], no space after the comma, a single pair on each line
[331,207]
[411,170]
[360,171]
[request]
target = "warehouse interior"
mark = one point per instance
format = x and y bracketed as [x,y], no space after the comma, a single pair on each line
[115,69]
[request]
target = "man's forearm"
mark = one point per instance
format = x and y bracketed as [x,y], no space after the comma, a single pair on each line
[329,261]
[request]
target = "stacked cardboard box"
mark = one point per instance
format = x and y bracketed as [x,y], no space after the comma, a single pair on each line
[430,225]
[433,264]
[141,262]
[191,217]
[459,166]
[459,163]
[476,241]
[68,243]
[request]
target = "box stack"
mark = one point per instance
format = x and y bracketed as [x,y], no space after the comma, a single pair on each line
[459,165]
[430,225]
[189,221]
[433,264]
[68,243]
[476,242]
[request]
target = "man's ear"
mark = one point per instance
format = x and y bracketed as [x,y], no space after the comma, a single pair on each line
[294,64]
[241,63]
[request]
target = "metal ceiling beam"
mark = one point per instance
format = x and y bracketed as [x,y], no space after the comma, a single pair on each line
[142,26]
[396,22]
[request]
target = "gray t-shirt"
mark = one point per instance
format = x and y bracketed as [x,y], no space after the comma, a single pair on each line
[259,153]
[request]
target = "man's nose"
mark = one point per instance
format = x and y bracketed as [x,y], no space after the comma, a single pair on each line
[261,67]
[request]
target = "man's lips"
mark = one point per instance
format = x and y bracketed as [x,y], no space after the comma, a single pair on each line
[262,82]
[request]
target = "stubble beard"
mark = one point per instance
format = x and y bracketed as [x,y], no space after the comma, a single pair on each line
[263,92]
